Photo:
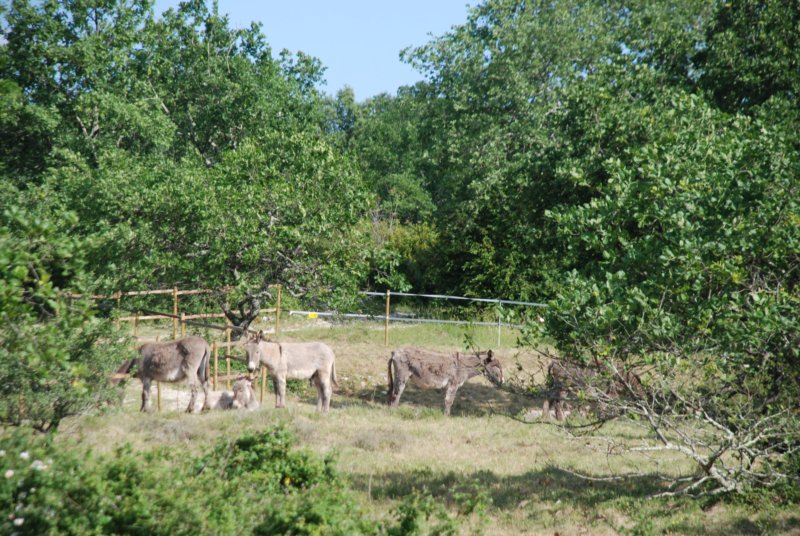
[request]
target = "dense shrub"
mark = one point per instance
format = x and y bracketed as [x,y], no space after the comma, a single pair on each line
[55,355]
[257,483]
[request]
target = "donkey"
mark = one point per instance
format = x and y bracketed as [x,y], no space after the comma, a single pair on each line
[312,361]
[244,397]
[565,378]
[435,370]
[173,361]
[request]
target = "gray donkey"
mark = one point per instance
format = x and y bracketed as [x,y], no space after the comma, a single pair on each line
[174,361]
[313,361]
[436,370]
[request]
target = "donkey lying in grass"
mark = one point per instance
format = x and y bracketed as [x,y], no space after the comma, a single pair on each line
[312,361]
[435,370]
[184,359]
[243,396]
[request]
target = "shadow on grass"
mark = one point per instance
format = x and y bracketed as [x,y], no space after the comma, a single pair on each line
[763,523]
[551,486]
[506,492]
[472,399]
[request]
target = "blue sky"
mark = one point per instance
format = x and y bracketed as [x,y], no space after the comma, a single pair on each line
[358,41]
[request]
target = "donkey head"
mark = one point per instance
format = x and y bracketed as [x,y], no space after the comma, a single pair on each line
[492,368]
[253,349]
[242,393]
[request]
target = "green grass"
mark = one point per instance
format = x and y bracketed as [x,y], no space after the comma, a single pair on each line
[514,478]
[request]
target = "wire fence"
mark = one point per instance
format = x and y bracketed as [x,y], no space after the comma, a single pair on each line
[385,313]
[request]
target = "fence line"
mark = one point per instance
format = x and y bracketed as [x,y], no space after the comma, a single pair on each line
[403,319]
[183,319]
[446,297]
[156,315]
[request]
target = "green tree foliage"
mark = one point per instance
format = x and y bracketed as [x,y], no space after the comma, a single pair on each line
[55,355]
[692,238]
[493,84]
[585,152]
[751,53]
[189,153]
[385,139]
[149,152]
[382,134]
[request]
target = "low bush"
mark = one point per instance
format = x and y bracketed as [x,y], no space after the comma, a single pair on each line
[55,354]
[257,483]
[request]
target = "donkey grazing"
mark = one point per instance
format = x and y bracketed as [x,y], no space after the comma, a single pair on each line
[566,377]
[173,361]
[312,361]
[435,370]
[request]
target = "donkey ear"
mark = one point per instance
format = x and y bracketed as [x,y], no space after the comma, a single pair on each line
[260,335]
[489,356]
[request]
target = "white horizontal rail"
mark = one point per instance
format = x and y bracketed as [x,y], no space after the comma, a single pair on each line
[402,319]
[445,297]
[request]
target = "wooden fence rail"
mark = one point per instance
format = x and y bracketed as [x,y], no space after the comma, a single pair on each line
[183,319]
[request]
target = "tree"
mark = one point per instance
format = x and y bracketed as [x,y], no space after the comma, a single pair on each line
[495,163]
[751,53]
[55,354]
[573,156]
[189,153]
[690,276]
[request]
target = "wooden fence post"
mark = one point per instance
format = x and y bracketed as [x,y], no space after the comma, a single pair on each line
[183,324]
[386,325]
[158,395]
[136,325]
[228,372]
[263,384]
[278,313]
[228,359]
[119,300]
[499,317]
[216,364]
[174,312]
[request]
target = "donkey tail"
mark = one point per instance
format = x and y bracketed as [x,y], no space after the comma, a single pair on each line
[333,373]
[391,382]
[122,370]
[204,371]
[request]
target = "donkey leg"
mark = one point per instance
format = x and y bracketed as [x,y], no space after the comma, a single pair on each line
[560,405]
[280,392]
[192,379]
[206,404]
[327,393]
[320,393]
[192,399]
[400,380]
[449,397]
[146,382]
[397,392]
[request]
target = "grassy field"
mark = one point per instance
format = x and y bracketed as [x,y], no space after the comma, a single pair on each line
[517,477]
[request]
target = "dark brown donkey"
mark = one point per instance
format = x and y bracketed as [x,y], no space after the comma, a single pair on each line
[436,370]
[184,359]
[600,383]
